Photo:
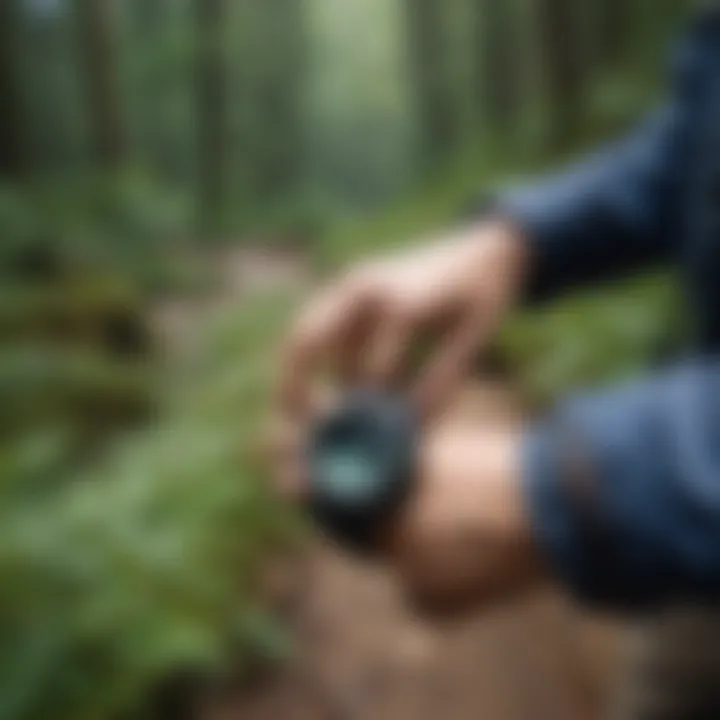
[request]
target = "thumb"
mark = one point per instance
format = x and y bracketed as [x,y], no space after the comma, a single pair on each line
[387,349]
[285,448]
[449,368]
[281,449]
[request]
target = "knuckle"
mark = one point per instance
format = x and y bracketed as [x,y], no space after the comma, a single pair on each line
[362,282]
[405,314]
[355,279]
[310,321]
[302,341]
[297,338]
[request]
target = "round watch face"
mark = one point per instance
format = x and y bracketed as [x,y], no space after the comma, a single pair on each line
[346,475]
[361,459]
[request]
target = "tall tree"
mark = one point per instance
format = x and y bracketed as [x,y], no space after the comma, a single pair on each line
[496,63]
[280,94]
[565,61]
[100,69]
[434,97]
[150,23]
[211,113]
[612,28]
[11,121]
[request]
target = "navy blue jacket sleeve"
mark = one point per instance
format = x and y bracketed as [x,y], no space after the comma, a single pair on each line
[623,490]
[610,214]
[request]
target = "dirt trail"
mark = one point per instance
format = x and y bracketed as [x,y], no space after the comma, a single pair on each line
[360,656]
[240,274]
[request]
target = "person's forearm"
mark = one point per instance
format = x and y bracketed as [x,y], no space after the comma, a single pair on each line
[503,250]
[624,491]
[616,497]
[464,540]
[611,214]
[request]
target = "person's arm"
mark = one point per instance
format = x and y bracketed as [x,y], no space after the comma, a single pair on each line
[623,490]
[613,213]
[616,497]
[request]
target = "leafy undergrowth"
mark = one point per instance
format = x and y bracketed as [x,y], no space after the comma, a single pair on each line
[146,563]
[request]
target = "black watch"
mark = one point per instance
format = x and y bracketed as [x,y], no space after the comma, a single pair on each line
[362,459]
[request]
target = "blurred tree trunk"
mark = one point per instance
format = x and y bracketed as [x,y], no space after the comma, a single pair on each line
[150,16]
[436,107]
[496,64]
[565,59]
[12,157]
[281,96]
[97,18]
[211,92]
[151,19]
[611,19]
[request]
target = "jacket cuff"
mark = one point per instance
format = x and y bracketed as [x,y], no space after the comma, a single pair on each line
[534,211]
[595,484]
[560,518]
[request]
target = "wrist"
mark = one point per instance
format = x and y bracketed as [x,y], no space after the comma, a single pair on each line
[501,253]
[465,540]
[502,516]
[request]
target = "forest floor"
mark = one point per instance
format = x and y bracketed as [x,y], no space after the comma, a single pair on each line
[359,655]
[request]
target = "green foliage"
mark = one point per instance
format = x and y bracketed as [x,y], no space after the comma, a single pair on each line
[123,226]
[122,561]
[588,340]
[147,562]
[73,345]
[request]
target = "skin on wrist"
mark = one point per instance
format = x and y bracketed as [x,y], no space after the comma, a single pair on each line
[501,242]
[465,540]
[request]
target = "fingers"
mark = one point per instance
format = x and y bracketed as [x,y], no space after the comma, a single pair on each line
[438,384]
[285,445]
[284,450]
[314,341]
[353,345]
[387,348]
[299,398]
